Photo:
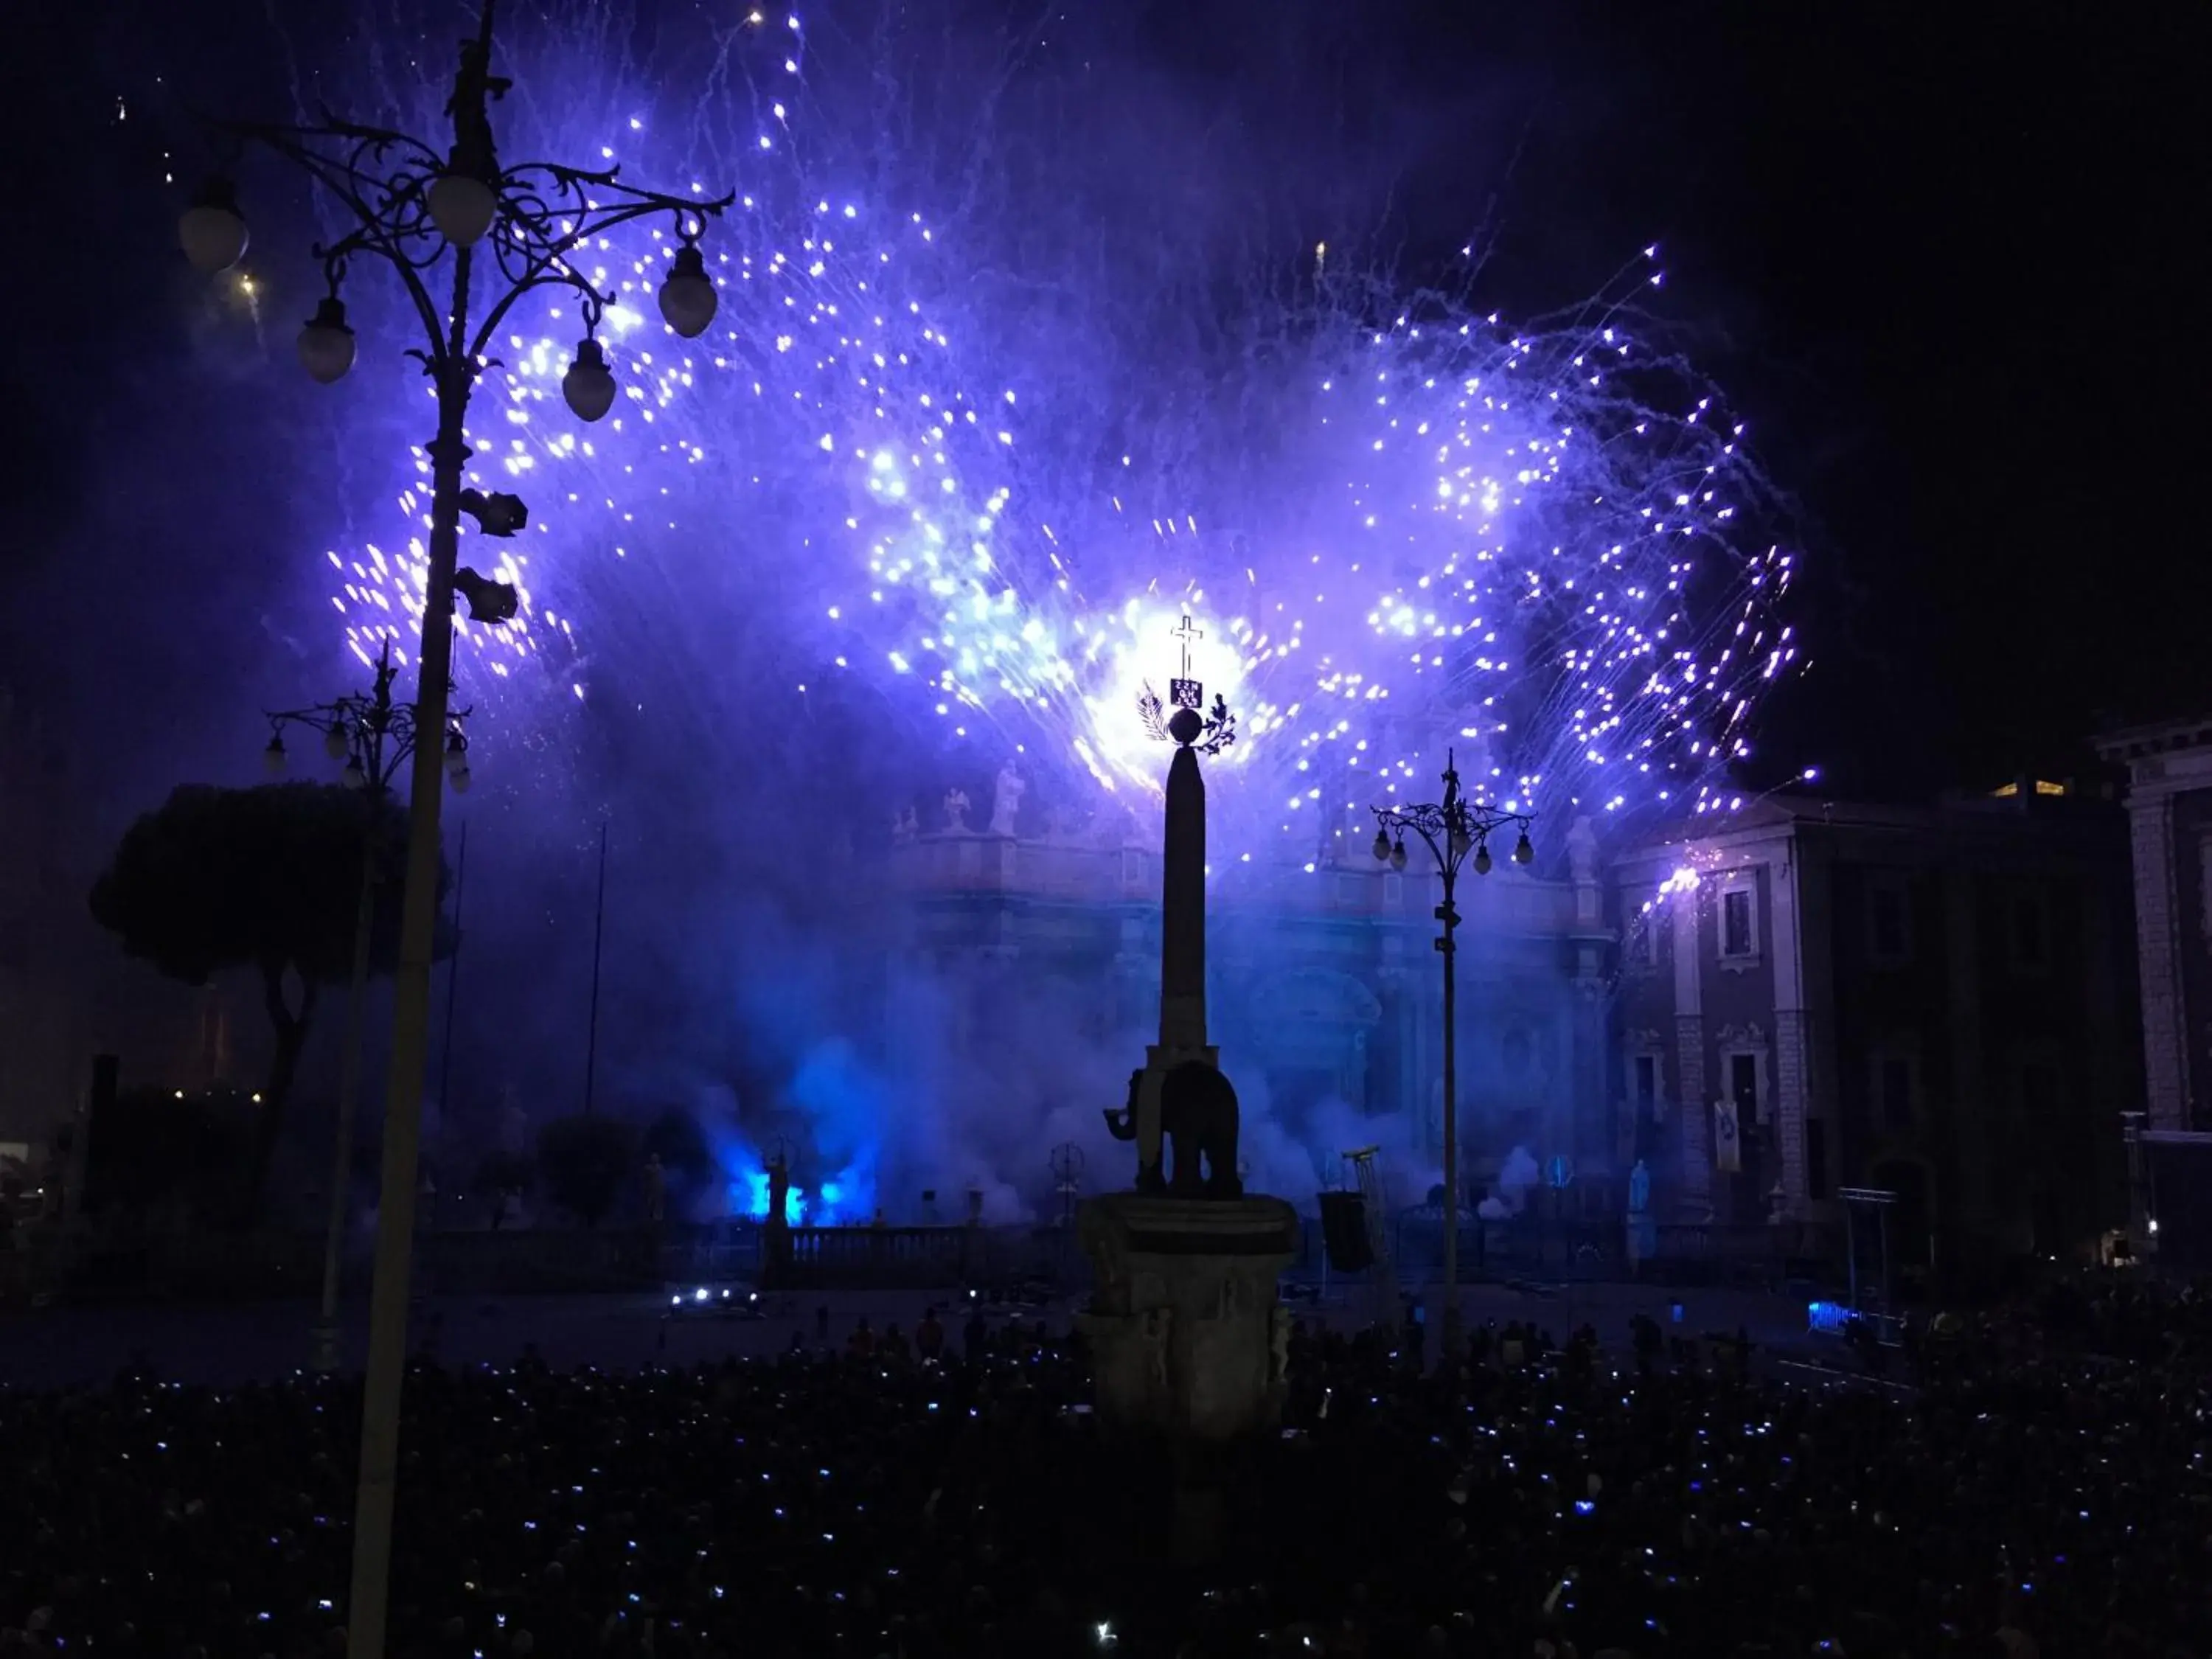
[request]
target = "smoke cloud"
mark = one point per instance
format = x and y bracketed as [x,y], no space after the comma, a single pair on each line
[1132,247]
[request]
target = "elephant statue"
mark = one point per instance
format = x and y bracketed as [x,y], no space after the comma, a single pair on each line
[1197,1112]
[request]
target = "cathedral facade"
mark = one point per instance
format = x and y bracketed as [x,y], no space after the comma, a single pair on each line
[1324,989]
[1811,997]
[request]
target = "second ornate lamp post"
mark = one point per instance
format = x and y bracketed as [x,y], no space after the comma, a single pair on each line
[1457,832]
[434,214]
[374,737]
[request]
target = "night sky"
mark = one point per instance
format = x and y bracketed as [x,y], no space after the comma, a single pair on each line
[1941,251]
[1937,257]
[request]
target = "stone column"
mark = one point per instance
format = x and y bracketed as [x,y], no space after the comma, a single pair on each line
[1791,1100]
[1591,1114]
[1818,1059]
[1695,1200]
[2167,1082]
[1697,1107]
[2105,957]
[1786,883]
[1967,1208]
[1586,1133]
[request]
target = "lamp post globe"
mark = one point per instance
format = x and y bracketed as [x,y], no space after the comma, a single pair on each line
[462,206]
[1382,847]
[212,231]
[334,743]
[326,343]
[688,300]
[1398,857]
[352,777]
[1482,860]
[272,757]
[588,387]
[1522,852]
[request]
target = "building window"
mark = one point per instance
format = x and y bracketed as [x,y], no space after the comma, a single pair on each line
[1643,934]
[1889,921]
[1894,1091]
[2031,933]
[1816,1158]
[1644,1072]
[1739,923]
[1743,1088]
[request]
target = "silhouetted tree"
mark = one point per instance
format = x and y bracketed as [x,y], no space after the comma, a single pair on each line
[584,1161]
[269,879]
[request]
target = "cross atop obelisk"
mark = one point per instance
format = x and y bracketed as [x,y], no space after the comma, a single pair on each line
[1186,631]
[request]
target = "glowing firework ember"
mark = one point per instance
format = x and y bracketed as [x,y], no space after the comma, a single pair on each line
[1536,546]
[1522,545]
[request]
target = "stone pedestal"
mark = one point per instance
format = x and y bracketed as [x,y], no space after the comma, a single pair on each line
[1188,1335]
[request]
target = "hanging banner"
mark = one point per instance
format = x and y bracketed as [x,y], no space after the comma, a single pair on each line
[1727,1152]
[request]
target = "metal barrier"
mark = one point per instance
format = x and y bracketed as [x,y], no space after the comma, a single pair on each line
[711,1251]
[838,1258]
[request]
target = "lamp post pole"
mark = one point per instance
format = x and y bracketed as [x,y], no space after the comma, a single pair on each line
[1457,832]
[411,204]
[375,737]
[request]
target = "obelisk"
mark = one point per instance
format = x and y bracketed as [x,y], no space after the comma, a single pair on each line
[1182,943]
[1183,899]
[1182,910]
[1185,1324]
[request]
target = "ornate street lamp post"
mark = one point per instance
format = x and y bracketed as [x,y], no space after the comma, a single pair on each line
[418,207]
[374,737]
[1452,830]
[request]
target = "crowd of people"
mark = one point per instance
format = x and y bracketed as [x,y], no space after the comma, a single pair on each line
[947,1492]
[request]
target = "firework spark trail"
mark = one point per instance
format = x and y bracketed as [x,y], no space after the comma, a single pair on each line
[819,382]
[1536,545]
[1525,545]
